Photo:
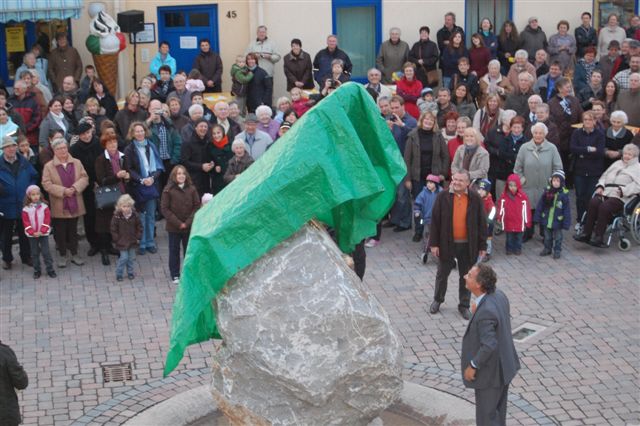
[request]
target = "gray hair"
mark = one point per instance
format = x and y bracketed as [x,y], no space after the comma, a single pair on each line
[543,106]
[145,92]
[392,29]
[507,116]
[541,126]
[374,69]
[264,109]
[383,98]
[619,115]
[494,62]
[529,76]
[521,53]
[337,62]
[464,119]
[281,100]
[236,142]
[632,148]
[195,107]
[58,141]
[534,98]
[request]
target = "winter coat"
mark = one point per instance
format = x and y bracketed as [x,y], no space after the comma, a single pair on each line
[621,176]
[535,164]
[210,66]
[563,120]
[606,35]
[264,46]
[533,40]
[195,152]
[52,183]
[519,102]
[410,92]
[13,187]
[444,34]
[125,117]
[185,100]
[587,163]
[429,53]
[12,377]
[441,231]
[174,142]
[157,62]
[479,59]
[240,78]
[132,165]
[29,111]
[557,214]
[64,62]
[234,128]
[507,154]
[161,90]
[479,166]
[629,102]
[483,91]
[508,45]
[322,63]
[439,159]
[615,143]
[585,37]
[490,40]
[106,177]
[178,206]
[470,80]
[516,69]
[36,218]
[565,57]
[514,210]
[542,87]
[466,109]
[125,233]
[391,58]
[489,210]
[87,153]
[236,166]
[424,203]
[581,77]
[108,102]
[258,89]
[449,60]
[260,145]
[553,136]
[586,94]
[298,68]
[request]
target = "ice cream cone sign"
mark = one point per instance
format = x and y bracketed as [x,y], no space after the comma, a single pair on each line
[105,42]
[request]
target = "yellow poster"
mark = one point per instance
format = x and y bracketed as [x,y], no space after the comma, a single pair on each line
[15,39]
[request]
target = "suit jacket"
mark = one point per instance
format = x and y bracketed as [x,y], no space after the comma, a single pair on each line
[488,342]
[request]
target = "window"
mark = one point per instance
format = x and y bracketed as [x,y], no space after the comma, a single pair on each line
[174,19]
[357,25]
[623,8]
[199,19]
[496,10]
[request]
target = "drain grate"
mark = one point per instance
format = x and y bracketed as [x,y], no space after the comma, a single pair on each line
[526,331]
[117,372]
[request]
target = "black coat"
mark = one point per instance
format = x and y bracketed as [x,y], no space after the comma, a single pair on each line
[106,177]
[441,234]
[298,68]
[258,89]
[193,155]
[428,52]
[87,153]
[12,377]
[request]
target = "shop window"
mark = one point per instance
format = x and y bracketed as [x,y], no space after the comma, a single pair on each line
[496,10]
[625,10]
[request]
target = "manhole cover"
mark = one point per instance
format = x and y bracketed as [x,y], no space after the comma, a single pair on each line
[526,331]
[117,372]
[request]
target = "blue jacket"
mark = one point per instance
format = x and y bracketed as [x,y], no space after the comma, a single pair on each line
[13,188]
[157,62]
[424,203]
[556,215]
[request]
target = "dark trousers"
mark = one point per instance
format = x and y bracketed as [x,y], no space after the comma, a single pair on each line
[40,245]
[104,241]
[444,269]
[359,256]
[599,213]
[65,232]
[7,228]
[553,240]
[89,218]
[585,185]
[513,242]
[567,166]
[491,406]
[175,239]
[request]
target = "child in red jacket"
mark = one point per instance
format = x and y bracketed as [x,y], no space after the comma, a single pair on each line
[514,213]
[36,218]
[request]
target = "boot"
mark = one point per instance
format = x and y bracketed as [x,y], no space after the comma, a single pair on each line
[105,258]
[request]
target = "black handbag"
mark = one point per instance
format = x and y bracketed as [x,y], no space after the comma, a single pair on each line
[107,196]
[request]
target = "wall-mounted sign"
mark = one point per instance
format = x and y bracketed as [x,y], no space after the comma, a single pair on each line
[188,42]
[15,39]
[148,35]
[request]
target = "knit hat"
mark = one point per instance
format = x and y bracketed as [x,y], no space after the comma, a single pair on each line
[83,127]
[31,188]
[426,90]
[433,178]
[558,174]
[484,184]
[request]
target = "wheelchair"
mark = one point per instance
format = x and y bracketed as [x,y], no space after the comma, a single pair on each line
[627,221]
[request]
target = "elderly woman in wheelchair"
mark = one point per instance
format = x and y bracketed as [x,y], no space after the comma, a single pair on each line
[616,191]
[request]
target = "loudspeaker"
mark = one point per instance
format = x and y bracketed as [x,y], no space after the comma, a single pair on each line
[131,21]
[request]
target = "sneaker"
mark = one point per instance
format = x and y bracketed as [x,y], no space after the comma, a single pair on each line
[36,275]
[52,274]
[175,280]
[119,278]
[77,260]
[152,250]
[577,227]
[141,251]
[372,242]
[131,275]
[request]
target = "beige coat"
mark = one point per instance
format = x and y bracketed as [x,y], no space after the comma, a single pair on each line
[623,176]
[483,94]
[53,185]
[479,166]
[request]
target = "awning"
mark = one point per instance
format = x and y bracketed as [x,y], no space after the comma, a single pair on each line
[35,10]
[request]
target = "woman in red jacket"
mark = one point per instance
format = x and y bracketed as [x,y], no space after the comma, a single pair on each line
[479,56]
[409,88]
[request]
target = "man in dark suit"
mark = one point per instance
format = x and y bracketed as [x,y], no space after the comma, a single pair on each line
[489,360]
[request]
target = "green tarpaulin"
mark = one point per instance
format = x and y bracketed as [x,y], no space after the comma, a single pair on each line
[339,164]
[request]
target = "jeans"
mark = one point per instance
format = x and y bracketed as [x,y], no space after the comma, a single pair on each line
[7,229]
[148,219]
[175,239]
[585,185]
[444,269]
[40,245]
[446,82]
[553,239]
[514,242]
[127,257]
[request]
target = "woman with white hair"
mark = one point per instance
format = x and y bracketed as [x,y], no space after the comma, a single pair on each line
[266,123]
[493,83]
[617,185]
[471,156]
[522,64]
[616,137]
[535,163]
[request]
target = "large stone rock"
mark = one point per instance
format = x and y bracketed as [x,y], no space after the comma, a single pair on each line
[304,342]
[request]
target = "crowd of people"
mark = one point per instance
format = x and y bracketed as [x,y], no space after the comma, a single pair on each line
[522,116]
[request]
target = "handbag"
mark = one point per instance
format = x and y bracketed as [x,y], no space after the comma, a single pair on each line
[432,78]
[147,193]
[107,196]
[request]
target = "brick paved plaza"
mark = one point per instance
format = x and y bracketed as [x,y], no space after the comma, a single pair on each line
[584,368]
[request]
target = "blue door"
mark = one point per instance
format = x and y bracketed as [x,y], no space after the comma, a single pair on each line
[183,27]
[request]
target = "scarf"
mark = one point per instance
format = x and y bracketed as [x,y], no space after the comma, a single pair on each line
[487,121]
[147,165]
[68,178]
[566,106]
[468,155]
[115,167]
[59,119]
[221,143]
[614,135]
[587,67]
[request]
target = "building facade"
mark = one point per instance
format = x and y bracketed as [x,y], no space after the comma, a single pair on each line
[361,25]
